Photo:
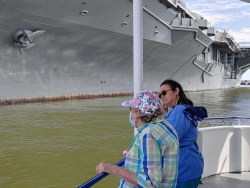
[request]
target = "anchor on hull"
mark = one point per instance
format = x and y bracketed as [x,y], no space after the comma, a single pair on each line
[24,39]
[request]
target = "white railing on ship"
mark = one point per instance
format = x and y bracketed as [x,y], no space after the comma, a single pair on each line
[228,117]
[205,60]
[182,4]
[225,33]
[244,45]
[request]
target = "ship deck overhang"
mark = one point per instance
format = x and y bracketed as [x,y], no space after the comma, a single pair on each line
[223,46]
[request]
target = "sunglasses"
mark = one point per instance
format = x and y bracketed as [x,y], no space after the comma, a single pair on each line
[163,93]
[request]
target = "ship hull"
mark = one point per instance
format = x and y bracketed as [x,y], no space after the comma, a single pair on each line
[92,54]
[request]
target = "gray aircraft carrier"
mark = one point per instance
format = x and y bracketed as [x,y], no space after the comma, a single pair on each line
[52,50]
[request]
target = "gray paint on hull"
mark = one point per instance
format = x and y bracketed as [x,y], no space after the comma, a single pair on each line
[72,58]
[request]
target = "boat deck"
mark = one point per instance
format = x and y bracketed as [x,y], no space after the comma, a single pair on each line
[228,180]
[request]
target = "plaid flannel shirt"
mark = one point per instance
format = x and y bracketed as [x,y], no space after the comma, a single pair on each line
[153,156]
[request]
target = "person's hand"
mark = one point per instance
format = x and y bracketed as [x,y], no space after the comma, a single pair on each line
[124,153]
[165,107]
[102,167]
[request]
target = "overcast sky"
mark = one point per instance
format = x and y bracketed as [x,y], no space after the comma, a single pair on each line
[233,15]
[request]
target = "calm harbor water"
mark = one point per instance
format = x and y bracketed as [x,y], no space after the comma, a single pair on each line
[59,144]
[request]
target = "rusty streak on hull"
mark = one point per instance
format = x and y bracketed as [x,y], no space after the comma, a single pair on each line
[61,98]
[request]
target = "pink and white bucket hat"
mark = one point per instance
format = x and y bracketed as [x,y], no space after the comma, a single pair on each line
[147,102]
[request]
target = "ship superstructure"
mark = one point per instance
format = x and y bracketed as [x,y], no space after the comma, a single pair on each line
[248,1]
[55,49]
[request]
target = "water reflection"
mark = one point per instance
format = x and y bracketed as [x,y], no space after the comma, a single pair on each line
[228,102]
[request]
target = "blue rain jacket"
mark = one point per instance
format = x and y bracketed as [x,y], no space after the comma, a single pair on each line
[184,119]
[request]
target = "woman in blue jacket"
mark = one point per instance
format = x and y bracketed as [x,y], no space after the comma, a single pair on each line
[183,117]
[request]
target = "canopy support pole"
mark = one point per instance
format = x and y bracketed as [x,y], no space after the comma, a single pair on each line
[138,45]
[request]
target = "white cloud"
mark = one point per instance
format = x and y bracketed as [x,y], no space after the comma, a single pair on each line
[245,13]
[242,35]
[215,5]
[246,30]
[246,75]
[220,11]
[222,18]
[224,12]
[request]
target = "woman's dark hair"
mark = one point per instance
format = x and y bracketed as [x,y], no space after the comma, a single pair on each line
[183,98]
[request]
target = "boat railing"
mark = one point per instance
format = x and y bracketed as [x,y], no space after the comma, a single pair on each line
[228,117]
[99,177]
